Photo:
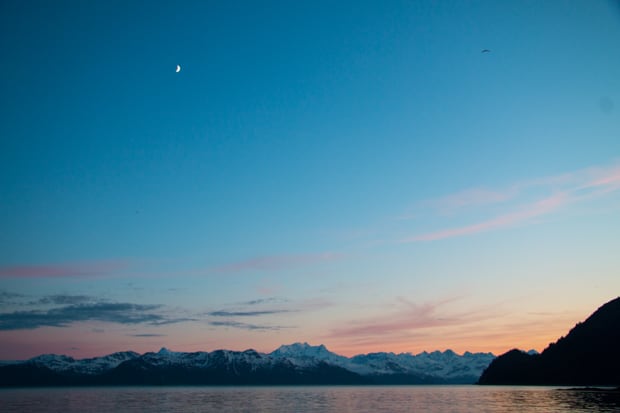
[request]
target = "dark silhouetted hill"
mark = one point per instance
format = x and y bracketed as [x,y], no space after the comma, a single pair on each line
[588,355]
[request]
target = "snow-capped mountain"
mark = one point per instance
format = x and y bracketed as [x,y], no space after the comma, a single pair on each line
[303,354]
[446,366]
[298,363]
[94,365]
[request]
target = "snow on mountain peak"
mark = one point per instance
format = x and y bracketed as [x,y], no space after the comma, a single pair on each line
[302,350]
[446,365]
[85,366]
[304,354]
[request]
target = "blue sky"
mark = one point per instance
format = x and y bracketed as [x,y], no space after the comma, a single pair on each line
[325,167]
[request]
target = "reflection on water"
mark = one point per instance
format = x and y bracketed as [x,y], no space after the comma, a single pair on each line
[588,400]
[396,399]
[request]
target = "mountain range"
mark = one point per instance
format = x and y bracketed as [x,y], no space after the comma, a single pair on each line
[298,363]
[588,355]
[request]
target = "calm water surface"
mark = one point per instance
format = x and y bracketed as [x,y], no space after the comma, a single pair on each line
[394,399]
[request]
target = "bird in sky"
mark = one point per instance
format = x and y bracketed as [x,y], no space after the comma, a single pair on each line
[485,51]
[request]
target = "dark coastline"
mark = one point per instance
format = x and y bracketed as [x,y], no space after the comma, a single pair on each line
[589,355]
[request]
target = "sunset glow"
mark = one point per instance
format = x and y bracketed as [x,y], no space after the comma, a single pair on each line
[359,175]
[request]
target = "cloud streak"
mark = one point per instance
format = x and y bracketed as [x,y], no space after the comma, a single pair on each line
[254,309]
[246,313]
[407,319]
[536,209]
[65,299]
[245,326]
[471,198]
[269,300]
[119,313]
[91,269]
[558,192]
[276,263]
[7,297]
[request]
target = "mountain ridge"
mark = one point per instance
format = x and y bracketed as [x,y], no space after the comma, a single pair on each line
[297,363]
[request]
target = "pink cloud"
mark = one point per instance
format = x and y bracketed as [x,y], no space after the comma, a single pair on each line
[409,318]
[276,262]
[602,181]
[542,207]
[474,197]
[582,183]
[566,189]
[449,204]
[81,269]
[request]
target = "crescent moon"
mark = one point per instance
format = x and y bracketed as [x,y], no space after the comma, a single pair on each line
[178,69]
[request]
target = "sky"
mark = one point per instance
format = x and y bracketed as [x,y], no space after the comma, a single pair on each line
[358,174]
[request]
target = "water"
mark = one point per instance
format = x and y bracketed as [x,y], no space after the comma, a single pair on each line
[324,399]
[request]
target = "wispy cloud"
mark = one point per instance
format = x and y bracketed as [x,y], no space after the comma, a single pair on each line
[172,320]
[65,299]
[245,326]
[46,301]
[246,313]
[276,262]
[268,312]
[524,201]
[471,198]
[268,300]
[408,318]
[120,313]
[7,297]
[147,335]
[88,269]
[536,209]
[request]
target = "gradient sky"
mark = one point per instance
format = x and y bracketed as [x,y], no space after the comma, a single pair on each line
[355,174]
